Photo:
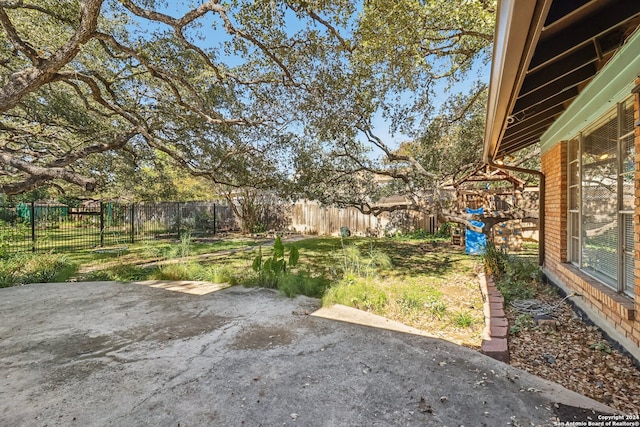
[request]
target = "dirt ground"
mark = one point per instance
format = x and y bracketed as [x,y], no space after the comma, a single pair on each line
[191,354]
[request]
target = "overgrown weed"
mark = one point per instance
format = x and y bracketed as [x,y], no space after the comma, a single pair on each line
[34,268]
[515,278]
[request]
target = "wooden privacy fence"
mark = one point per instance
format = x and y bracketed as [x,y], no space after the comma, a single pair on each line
[312,218]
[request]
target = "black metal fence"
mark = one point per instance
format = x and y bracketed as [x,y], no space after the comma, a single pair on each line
[34,227]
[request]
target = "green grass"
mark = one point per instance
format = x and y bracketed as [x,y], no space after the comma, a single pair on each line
[358,293]
[427,284]
[302,283]
[463,319]
[153,250]
[33,268]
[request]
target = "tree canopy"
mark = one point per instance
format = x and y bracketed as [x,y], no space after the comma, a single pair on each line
[282,95]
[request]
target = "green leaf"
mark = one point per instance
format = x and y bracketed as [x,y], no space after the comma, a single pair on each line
[268,264]
[277,266]
[294,256]
[257,261]
[278,248]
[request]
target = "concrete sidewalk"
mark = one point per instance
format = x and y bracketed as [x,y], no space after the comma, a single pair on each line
[157,354]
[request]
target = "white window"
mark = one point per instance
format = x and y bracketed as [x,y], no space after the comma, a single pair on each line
[601,165]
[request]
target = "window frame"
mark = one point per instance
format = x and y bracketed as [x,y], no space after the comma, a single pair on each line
[576,214]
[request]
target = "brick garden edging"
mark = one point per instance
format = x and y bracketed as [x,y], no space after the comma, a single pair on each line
[496,326]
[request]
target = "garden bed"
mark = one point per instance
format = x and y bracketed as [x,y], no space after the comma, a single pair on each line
[573,354]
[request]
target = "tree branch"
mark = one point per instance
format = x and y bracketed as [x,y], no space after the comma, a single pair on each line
[20,83]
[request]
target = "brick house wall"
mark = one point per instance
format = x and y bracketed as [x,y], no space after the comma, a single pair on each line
[554,168]
[636,216]
[616,314]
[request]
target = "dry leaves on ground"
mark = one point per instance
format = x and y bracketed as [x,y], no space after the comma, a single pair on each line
[576,356]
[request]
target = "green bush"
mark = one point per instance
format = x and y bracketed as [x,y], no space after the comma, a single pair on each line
[181,250]
[494,260]
[442,235]
[11,233]
[186,271]
[221,274]
[194,271]
[9,272]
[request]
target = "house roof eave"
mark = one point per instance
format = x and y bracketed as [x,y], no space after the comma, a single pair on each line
[518,27]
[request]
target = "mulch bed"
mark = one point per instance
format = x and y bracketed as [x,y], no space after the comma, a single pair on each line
[575,355]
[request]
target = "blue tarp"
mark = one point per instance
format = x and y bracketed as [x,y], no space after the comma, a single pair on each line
[479,211]
[475,243]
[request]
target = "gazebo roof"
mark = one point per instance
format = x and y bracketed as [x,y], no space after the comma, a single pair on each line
[486,173]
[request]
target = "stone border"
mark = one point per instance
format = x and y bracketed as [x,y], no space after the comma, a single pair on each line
[496,326]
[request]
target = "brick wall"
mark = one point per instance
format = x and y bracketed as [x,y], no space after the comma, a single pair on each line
[636,216]
[616,310]
[554,167]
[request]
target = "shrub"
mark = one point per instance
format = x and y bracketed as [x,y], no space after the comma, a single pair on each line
[120,273]
[11,233]
[9,272]
[181,250]
[221,274]
[186,271]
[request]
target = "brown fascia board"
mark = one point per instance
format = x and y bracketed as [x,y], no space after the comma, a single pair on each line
[518,27]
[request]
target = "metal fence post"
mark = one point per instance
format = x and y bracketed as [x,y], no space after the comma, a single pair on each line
[132,222]
[33,226]
[101,224]
[214,219]
[179,221]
